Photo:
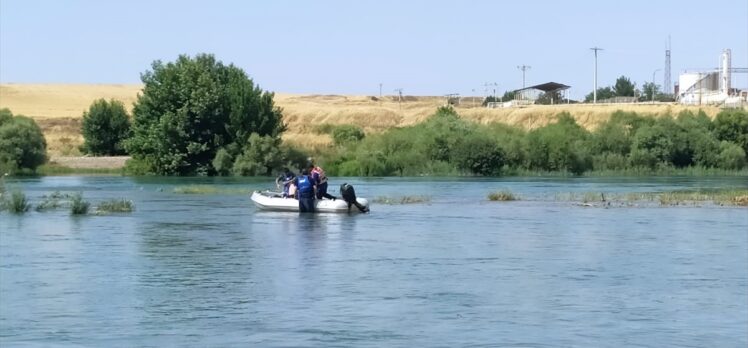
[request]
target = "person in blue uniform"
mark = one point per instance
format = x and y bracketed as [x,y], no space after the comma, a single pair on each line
[305,187]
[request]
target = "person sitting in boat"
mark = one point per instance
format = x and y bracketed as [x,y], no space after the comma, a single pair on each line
[287,180]
[349,195]
[320,179]
[305,191]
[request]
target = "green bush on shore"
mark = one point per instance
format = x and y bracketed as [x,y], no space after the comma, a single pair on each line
[445,144]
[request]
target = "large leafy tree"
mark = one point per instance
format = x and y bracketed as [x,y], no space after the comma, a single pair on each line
[105,127]
[191,108]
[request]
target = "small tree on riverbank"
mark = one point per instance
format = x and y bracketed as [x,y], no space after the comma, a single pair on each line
[22,144]
[105,127]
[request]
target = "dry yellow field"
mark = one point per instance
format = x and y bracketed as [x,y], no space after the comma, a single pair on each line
[58,109]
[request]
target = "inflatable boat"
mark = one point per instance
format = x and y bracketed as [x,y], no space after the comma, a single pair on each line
[274,201]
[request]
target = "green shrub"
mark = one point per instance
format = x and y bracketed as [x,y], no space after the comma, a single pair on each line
[478,155]
[138,166]
[5,115]
[732,126]
[731,156]
[78,206]
[559,146]
[261,156]
[105,127]
[223,162]
[22,144]
[347,134]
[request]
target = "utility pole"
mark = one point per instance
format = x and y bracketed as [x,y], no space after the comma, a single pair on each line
[488,85]
[654,86]
[399,97]
[380,91]
[594,91]
[667,83]
[523,68]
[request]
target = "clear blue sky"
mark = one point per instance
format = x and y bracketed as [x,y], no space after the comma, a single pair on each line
[349,47]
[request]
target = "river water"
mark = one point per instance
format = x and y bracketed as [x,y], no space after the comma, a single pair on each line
[455,271]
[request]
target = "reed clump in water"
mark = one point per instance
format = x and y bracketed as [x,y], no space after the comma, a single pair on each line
[78,206]
[18,203]
[120,205]
[502,196]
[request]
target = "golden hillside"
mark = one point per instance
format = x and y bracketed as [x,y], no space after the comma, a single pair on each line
[58,109]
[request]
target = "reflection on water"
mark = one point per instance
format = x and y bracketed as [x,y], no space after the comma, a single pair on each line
[210,270]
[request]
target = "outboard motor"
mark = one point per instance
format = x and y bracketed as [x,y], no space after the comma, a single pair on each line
[349,196]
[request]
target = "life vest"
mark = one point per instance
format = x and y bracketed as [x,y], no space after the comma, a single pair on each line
[321,174]
[305,185]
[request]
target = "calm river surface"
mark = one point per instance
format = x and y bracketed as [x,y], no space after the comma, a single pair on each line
[458,271]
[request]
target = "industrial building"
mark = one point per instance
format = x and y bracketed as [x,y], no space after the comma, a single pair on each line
[712,87]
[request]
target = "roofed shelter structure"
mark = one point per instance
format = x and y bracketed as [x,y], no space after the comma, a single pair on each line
[532,93]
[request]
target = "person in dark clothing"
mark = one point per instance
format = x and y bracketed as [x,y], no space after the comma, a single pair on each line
[286,179]
[305,191]
[318,175]
[349,195]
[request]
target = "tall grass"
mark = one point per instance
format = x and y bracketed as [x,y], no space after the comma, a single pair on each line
[78,206]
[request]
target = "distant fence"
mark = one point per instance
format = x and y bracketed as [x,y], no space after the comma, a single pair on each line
[509,104]
[618,100]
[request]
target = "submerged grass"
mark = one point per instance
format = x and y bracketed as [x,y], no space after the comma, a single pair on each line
[502,196]
[402,200]
[56,169]
[115,206]
[208,190]
[737,197]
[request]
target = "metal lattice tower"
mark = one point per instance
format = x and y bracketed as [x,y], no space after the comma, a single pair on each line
[667,85]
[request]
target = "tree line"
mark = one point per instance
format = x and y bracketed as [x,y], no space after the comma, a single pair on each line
[447,144]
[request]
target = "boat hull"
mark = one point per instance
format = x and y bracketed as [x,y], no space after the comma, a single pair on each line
[272,201]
